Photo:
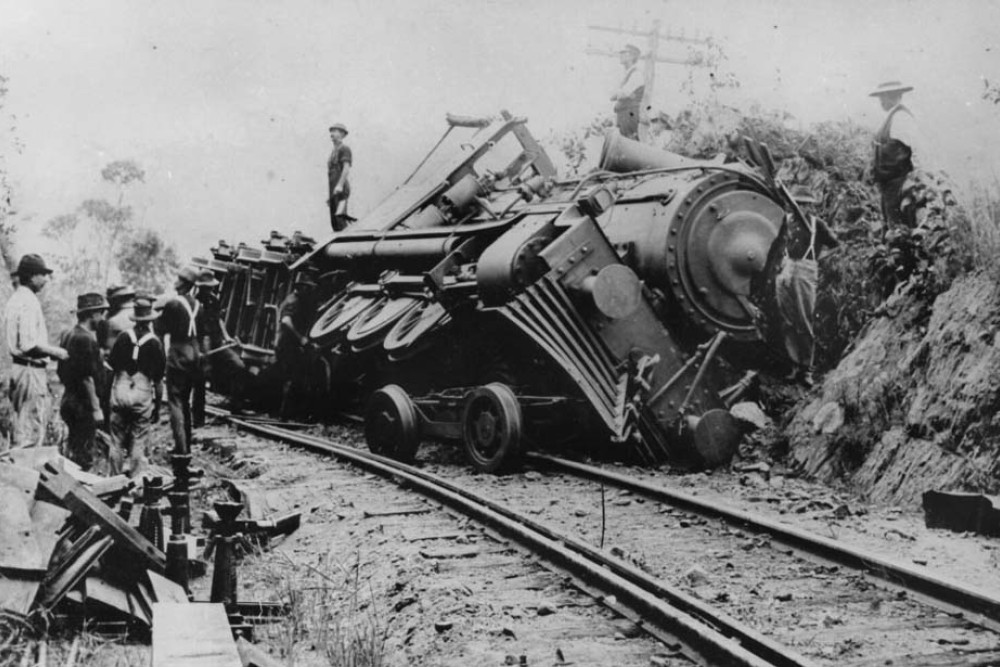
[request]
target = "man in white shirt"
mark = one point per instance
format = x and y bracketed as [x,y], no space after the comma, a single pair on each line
[628,96]
[899,149]
[28,342]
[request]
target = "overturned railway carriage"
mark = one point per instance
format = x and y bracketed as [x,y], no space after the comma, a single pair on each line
[488,302]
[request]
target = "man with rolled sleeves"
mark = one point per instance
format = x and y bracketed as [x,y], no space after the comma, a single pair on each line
[82,373]
[628,96]
[28,342]
[898,146]
[179,321]
[338,168]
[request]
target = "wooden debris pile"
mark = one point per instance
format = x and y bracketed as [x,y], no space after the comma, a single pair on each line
[66,557]
[74,554]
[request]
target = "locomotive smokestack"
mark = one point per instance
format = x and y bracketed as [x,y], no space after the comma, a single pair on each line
[623,155]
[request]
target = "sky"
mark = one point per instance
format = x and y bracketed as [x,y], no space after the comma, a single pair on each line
[226,103]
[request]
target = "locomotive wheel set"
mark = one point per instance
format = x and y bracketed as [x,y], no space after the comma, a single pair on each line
[487,302]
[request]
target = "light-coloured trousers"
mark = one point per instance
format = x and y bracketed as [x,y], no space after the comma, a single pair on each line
[32,403]
[131,411]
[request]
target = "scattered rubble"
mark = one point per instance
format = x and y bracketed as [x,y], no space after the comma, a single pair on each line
[75,554]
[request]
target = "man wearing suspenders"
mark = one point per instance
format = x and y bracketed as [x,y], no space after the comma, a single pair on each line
[138,363]
[179,321]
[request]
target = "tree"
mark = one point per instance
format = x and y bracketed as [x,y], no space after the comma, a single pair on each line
[146,261]
[99,243]
[92,237]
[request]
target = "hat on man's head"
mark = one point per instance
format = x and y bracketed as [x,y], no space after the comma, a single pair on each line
[31,265]
[890,87]
[189,274]
[206,279]
[143,310]
[803,195]
[631,49]
[91,301]
[120,293]
[339,126]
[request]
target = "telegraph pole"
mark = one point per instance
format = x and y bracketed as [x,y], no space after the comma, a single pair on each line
[649,59]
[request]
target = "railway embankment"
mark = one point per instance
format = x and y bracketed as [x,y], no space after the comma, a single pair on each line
[912,405]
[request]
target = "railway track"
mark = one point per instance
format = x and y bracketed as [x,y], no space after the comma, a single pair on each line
[846,606]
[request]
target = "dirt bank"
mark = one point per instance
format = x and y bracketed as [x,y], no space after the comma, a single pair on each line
[911,406]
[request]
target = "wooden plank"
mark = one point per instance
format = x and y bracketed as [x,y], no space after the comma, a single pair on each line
[36,457]
[17,595]
[48,520]
[417,535]
[100,591]
[165,590]
[453,552]
[18,548]
[395,511]
[193,635]
[92,511]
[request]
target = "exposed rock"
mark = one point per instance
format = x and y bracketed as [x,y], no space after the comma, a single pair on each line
[695,576]
[545,609]
[912,405]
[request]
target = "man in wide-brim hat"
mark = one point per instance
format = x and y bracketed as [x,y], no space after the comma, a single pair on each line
[82,375]
[121,299]
[28,342]
[897,147]
[138,363]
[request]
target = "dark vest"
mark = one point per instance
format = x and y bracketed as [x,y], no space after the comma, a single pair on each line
[892,156]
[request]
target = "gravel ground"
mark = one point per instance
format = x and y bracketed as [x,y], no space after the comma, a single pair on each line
[385,590]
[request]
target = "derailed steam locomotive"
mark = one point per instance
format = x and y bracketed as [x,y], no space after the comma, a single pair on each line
[488,302]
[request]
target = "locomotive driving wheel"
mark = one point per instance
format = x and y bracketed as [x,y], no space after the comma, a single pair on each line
[339,315]
[491,428]
[392,427]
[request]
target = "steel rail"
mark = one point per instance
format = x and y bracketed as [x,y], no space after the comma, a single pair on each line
[949,596]
[662,609]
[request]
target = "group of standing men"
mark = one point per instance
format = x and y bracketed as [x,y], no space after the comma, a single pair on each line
[112,364]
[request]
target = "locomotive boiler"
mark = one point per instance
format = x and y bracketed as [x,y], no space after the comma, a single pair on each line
[488,301]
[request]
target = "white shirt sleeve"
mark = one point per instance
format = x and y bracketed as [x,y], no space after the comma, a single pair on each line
[905,129]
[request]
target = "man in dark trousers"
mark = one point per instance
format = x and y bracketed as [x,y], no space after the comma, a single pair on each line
[82,373]
[897,152]
[224,366]
[138,363]
[338,169]
[121,301]
[179,321]
[291,349]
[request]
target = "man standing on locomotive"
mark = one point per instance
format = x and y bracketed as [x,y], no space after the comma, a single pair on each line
[28,342]
[338,169]
[628,96]
[179,320]
[897,147]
